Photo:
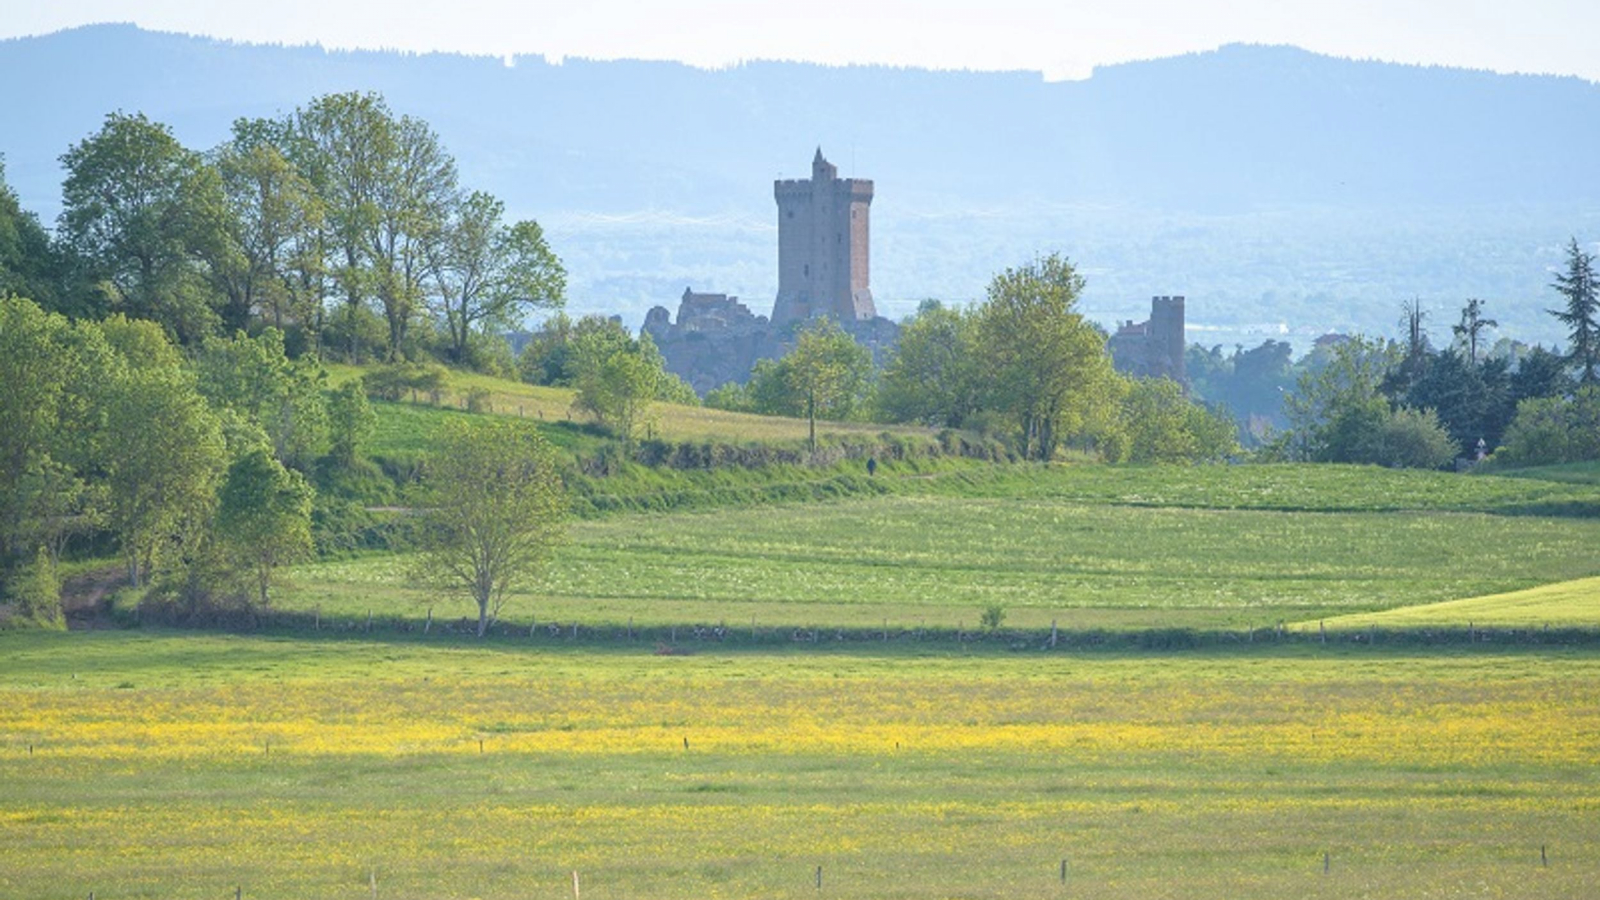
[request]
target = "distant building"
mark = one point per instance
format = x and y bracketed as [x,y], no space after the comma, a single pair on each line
[1153,348]
[822,271]
[822,246]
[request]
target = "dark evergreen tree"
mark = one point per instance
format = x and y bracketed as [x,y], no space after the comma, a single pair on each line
[1577,286]
[1540,373]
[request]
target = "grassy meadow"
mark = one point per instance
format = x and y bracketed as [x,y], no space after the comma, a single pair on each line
[154,763]
[1087,547]
[182,765]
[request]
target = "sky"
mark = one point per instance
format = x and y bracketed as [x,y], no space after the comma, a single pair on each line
[1061,38]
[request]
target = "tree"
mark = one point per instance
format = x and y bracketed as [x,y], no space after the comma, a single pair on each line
[163,453]
[1472,324]
[496,504]
[491,274]
[1551,430]
[256,379]
[264,517]
[1578,286]
[1044,366]
[351,422]
[1540,373]
[147,215]
[274,218]
[1334,407]
[829,372]
[932,378]
[1407,439]
[28,263]
[415,189]
[340,142]
[617,377]
[1161,425]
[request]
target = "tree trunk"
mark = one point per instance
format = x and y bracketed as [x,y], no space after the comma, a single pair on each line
[811,417]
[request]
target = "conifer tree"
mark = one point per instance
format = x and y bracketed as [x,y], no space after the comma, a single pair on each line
[1577,285]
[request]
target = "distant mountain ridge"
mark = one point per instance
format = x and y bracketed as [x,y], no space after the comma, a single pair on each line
[1207,149]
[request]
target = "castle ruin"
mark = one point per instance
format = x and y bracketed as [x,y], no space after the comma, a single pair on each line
[1153,348]
[822,271]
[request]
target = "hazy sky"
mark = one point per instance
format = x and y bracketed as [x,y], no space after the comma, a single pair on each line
[1063,38]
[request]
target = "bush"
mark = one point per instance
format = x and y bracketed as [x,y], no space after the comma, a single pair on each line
[392,382]
[1410,439]
[992,616]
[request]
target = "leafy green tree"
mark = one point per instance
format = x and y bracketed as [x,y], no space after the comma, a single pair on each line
[1578,286]
[28,263]
[1161,425]
[490,274]
[933,376]
[1472,324]
[1334,407]
[1551,430]
[415,193]
[1045,367]
[264,517]
[341,144]
[34,592]
[351,422]
[1407,439]
[495,509]
[163,454]
[148,216]
[617,377]
[34,368]
[254,377]
[274,219]
[828,372]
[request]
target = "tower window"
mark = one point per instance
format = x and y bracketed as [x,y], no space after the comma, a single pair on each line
[806,270]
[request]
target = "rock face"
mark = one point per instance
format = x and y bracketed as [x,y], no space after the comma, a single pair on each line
[822,271]
[1153,348]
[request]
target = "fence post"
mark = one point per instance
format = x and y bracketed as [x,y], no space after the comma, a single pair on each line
[575,885]
[819,878]
[374,883]
[1323,628]
[1543,860]
[1325,859]
[1052,644]
[426,626]
[1063,871]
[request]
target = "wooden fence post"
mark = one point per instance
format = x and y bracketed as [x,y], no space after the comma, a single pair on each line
[428,625]
[1052,644]
[575,885]
[1325,860]
[819,878]
[1063,871]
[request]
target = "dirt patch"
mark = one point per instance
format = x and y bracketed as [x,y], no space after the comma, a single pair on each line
[83,598]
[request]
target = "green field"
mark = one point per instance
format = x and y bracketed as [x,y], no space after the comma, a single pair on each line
[1566,604]
[150,763]
[180,766]
[1084,546]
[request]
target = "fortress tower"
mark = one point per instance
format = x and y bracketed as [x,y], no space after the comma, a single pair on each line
[822,246]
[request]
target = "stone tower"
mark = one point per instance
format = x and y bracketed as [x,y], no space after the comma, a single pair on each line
[822,246]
